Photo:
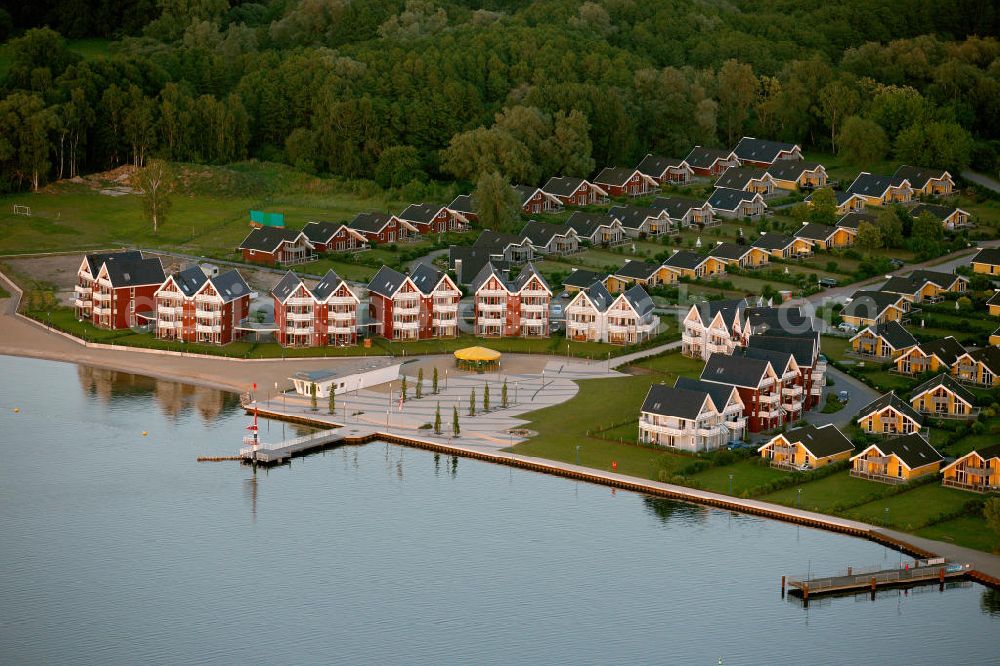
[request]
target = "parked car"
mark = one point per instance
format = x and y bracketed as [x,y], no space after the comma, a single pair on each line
[844,396]
[897,263]
[828,282]
[847,328]
[564,295]
[557,310]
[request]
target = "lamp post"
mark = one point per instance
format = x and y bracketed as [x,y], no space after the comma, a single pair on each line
[730,484]
[798,500]
[577,454]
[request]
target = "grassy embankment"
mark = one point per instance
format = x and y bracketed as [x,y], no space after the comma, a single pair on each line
[601,421]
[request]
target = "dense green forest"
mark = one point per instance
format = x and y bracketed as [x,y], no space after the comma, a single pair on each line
[396,91]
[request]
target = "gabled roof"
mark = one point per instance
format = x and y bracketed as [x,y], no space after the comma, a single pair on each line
[890,399]
[528,271]
[870,304]
[636,269]
[735,370]
[792,169]
[988,356]
[872,185]
[587,224]
[190,280]
[656,165]
[761,150]
[685,259]
[946,381]
[473,259]
[947,349]
[898,284]
[721,394]
[676,207]
[892,332]
[854,220]
[598,295]
[632,217]
[370,222]
[496,241]
[542,233]
[729,251]
[564,186]
[386,282]
[286,286]
[988,255]
[269,239]
[937,211]
[639,300]
[801,347]
[769,242]
[729,308]
[676,402]
[485,273]
[321,232]
[95,261]
[230,285]
[779,359]
[942,280]
[739,177]
[704,158]
[134,273]
[821,442]
[725,198]
[919,176]
[616,175]
[815,231]
[582,278]
[421,212]
[426,278]
[913,450]
[463,204]
[328,285]
[994,299]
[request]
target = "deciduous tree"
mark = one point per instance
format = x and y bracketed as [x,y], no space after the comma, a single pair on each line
[155,182]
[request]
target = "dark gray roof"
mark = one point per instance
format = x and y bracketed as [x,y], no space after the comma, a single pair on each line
[894,334]
[134,273]
[948,382]
[988,255]
[320,232]
[989,452]
[527,272]
[821,442]
[725,198]
[720,393]
[729,308]
[639,300]
[791,169]
[947,349]
[897,284]
[815,231]
[735,370]
[563,186]
[268,239]
[676,207]
[286,286]
[386,281]
[637,269]
[989,356]
[872,185]
[912,449]
[684,259]
[890,399]
[327,285]
[854,220]
[677,402]
[869,304]
[918,176]
[426,277]
[600,296]
[473,259]
[937,211]
[760,150]
[484,274]
[773,241]
[655,165]
[614,175]
[994,299]
[540,233]
[779,358]
[801,347]
[738,177]
[728,251]
[586,224]
[190,280]
[704,158]
[370,222]
[943,280]
[582,278]
[839,196]
[95,261]
[421,212]
[496,241]
[525,192]
[230,285]
[632,217]
[463,204]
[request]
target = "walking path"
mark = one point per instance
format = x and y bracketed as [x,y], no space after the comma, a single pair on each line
[981,179]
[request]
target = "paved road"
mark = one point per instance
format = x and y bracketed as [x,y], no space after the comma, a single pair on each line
[860,395]
[981,179]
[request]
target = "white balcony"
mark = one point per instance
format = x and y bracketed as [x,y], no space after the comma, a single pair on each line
[207,298]
[666,430]
[791,391]
[489,321]
[101,312]
[534,307]
[770,414]
[406,325]
[770,399]
[446,307]
[82,304]
[83,292]
[208,314]
[410,311]
[791,374]
[493,293]
[816,390]
[715,348]
[340,300]
[103,297]
[170,310]
[341,316]
[207,328]
[794,406]
[737,425]
[299,316]
[167,324]
[491,307]
[299,301]
[341,330]
[536,293]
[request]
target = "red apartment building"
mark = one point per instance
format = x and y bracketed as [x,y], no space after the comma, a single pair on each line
[192,307]
[118,290]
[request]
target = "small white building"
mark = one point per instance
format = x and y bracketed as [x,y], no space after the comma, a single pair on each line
[341,382]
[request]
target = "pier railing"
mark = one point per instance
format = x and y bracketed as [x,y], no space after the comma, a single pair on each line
[274,446]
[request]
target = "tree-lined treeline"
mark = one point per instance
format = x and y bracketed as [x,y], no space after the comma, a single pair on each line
[399,91]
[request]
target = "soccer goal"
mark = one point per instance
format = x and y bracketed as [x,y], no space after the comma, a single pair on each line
[22,210]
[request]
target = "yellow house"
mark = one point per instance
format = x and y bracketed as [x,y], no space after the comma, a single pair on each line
[882,341]
[694,266]
[930,286]
[926,182]
[797,174]
[580,279]
[896,460]
[944,398]
[889,415]
[994,304]
[881,190]
[979,366]
[783,247]
[807,447]
[847,202]
[642,273]
[933,356]
[978,471]
[987,261]
[741,256]
[826,236]
[995,338]
[874,307]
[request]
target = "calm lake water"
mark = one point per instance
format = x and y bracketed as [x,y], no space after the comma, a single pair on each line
[118,548]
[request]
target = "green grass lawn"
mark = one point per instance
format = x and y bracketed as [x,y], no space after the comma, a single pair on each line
[970,531]
[830,494]
[835,348]
[747,475]
[913,509]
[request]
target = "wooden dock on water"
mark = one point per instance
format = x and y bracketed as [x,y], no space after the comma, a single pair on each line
[278,452]
[923,572]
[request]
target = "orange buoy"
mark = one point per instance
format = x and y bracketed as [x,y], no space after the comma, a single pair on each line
[17,410]
[144,433]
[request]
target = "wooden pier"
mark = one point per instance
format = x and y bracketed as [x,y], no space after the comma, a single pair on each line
[922,572]
[278,452]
